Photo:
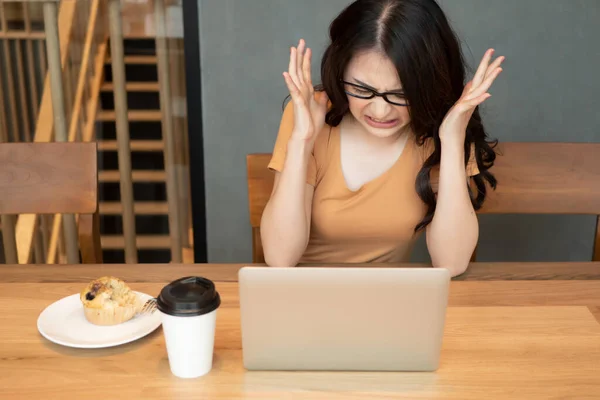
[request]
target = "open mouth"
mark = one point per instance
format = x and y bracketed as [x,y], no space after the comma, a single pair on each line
[378,123]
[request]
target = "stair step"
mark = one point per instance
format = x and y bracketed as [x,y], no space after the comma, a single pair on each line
[143,242]
[136,115]
[137,60]
[133,86]
[142,207]
[137,176]
[139,36]
[136,145]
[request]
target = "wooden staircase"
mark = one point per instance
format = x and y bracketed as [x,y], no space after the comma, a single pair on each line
[89,113]
[147,158]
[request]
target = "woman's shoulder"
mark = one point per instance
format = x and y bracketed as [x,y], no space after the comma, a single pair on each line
[326,142]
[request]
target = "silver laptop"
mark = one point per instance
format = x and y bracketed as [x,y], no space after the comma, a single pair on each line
[342,319]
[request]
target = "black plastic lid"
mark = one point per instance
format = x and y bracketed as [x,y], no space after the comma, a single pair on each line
[189,297]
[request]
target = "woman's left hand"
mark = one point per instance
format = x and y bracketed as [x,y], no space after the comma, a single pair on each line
[454,125]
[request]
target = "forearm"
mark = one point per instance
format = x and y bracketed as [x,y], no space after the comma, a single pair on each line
[454,230]
[285,223]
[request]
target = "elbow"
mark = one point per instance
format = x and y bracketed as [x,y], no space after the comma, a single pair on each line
[452,255]
[455,268]
[279,252]
[456,263]
[276,261]
[276,255]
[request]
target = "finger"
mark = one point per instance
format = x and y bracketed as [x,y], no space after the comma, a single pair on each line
[485,85]
[293,89]
[494,65]
[477,100]
[467,89]
[480,74]
[292,68]
[300,59]
[306,69]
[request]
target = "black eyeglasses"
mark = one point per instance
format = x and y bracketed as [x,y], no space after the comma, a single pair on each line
[361,92]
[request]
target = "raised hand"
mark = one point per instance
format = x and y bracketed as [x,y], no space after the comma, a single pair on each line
[455,122]
[309,112]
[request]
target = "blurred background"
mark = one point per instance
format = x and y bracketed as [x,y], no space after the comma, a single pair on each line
[218,64]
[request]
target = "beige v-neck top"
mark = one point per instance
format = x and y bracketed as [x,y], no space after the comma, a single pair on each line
[372,224]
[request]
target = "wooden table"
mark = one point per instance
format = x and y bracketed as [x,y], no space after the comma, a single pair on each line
[514,331]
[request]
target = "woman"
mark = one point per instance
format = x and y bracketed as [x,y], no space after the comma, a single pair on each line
[390,145]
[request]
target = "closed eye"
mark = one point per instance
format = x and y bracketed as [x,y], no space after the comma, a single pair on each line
[360,90]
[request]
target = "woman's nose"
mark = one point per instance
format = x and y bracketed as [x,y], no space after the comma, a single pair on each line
[380,108]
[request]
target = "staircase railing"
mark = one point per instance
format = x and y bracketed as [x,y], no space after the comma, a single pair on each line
[52,55]
[90,58]
[75,37]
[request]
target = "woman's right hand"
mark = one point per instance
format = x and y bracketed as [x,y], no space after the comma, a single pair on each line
[309,112]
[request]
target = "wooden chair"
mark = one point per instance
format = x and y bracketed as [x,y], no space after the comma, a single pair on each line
[533,178]
[547,178]
[54,178]
[260,185]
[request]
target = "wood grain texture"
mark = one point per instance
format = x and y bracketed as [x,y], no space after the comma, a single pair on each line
[10,85]
[89,238]
[546,178]
[531,271]
[260,185]
[44,128]
[22,91]
[462,294]
[595,310]
[26,226]
[79,102]
[573,271]
[596,255]
[258,256]
[43,178]
[491,352]
[98,75]
[9,241]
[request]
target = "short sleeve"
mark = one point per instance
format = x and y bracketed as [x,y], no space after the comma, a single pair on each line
[280,149]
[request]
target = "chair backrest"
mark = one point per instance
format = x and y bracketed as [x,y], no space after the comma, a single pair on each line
[48,178]
[533,178]
[547,178]
[260,186]
[53,178]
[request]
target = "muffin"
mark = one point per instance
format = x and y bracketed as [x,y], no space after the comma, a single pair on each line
[109,301]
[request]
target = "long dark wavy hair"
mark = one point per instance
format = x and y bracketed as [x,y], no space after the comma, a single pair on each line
[418,39]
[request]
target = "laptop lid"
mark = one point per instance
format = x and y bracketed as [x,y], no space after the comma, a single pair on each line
[367,319]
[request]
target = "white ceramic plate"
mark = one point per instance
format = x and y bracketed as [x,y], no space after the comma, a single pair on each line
[63,322]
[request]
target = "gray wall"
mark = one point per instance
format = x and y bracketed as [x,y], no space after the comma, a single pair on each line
[549,91]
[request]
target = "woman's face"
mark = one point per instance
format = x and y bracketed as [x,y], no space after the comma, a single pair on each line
[374,70]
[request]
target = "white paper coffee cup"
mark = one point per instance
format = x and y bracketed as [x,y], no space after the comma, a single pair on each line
[188,308]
